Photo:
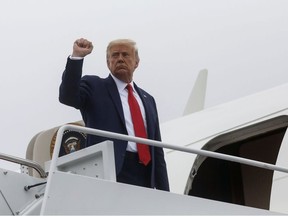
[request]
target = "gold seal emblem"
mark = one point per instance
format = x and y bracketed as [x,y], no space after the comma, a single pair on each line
[71,141]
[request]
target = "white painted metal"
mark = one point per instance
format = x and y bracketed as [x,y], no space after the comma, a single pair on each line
[13,197]
[211,122]
[197,129]
[91,196]
[95,161]
[196,99]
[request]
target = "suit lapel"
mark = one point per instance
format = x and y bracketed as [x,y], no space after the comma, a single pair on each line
[114,94]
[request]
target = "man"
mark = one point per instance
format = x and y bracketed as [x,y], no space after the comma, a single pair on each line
[106,104]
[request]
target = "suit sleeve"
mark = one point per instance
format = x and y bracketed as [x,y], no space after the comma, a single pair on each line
[72,91]
[161,179]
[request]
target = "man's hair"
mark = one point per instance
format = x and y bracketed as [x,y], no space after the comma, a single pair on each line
[123,41]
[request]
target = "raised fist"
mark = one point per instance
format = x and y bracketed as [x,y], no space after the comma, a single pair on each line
[82,47]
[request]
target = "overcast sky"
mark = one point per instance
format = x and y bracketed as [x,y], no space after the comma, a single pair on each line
[242,43]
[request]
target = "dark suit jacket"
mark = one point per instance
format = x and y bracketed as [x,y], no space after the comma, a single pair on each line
[101,108]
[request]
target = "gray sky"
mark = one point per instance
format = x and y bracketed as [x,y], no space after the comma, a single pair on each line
[242,43]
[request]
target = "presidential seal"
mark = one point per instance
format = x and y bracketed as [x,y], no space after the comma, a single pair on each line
[71,141]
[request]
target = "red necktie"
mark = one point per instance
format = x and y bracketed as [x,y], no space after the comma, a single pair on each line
[139,128]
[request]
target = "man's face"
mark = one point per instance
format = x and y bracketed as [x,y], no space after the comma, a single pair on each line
[122,61]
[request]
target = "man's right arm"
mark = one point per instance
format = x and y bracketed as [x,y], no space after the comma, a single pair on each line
[69,92]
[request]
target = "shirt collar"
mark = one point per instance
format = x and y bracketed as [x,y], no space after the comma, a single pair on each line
[120,84]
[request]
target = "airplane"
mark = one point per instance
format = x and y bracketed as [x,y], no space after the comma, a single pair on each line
[227,159]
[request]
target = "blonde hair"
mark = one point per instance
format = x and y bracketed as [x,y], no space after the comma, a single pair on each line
[123,41]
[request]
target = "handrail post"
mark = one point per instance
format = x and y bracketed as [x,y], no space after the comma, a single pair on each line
[24,162]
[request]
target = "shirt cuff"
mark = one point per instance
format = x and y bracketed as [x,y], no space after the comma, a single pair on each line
[76,58]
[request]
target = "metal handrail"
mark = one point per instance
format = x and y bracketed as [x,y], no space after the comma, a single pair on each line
[91,131]
[158,144]
[24,162]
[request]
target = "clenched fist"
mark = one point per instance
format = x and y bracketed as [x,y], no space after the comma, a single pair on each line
[82,47]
